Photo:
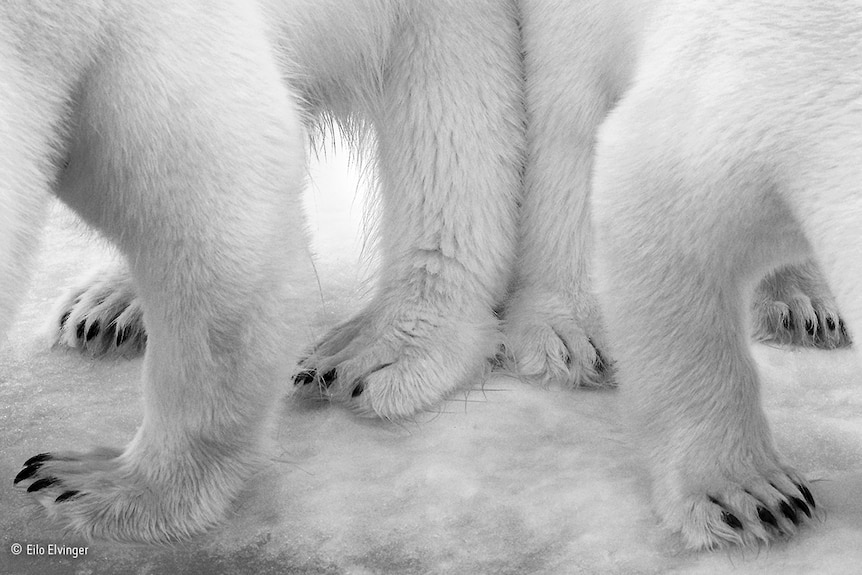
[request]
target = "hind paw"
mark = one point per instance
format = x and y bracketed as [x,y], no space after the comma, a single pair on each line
[101,316]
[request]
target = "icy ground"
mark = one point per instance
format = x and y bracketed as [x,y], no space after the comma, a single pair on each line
[507,478]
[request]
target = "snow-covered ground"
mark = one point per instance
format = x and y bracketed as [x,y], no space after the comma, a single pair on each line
[506,478]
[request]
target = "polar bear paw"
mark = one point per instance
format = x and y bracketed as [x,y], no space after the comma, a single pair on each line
[745,509]
[793,306]
[548,345]
[394,366]
[99,495]
[102,315]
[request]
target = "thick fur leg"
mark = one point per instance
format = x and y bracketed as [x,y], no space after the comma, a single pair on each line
[793,305]
[553,326]
[187,152]
[689,382]
[687,220]
[450,137]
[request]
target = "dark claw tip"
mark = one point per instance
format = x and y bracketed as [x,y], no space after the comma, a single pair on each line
[789,512]
[304,377]
[600,364]
[26,473]
[767,517]
[830,323]
[38,459]
[806,494]
[731,520]
[66,496]
[810,327]
[42,483]
[64,319]
[93,331]
[329,377]
[121,336]
[801,506]
[357,391]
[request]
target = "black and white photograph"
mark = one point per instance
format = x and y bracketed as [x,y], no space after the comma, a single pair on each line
[361,287]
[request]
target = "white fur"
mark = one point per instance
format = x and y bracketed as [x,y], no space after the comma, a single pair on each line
[180,123]
[736,151]
[439,82]
[430,94]
[196,177]
[577,60]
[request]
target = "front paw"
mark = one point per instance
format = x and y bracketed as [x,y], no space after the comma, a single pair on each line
[752,507]
[396,365]
[546,343]
[104,495]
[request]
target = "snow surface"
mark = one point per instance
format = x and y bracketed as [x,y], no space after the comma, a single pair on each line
[506,478]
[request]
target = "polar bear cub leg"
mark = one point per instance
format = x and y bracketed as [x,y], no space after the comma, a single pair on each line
[553,327]
[449,129]
[187,152]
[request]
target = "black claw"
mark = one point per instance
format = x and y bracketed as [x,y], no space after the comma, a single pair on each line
[66,496]
[42,483]
[64,319]
[830,323]
[789,512]
[600,363]
[38,459]
[121,336]
[801,506]
[93,331]
[304,377]
[810,327]
[731,520]
[27,473]
[329,377]
[767,517]
[79,331]
[357,391]
[806,494]
[787,320]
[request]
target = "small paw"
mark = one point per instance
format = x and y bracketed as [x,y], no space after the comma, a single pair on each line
[105,495]
[793,306]
[394,367]
[101,316]
[549,345]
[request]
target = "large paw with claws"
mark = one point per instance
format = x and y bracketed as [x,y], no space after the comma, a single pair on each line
[105,494]
[393,365]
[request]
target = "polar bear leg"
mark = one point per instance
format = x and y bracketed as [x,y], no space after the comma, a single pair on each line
[682,238]
[449,128]
[553,327]
[188,154]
